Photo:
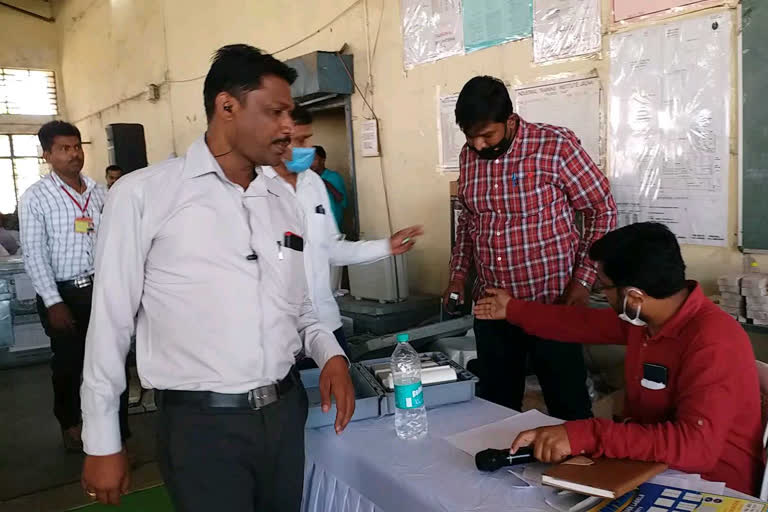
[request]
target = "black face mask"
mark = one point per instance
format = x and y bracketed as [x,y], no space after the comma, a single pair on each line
[494,152]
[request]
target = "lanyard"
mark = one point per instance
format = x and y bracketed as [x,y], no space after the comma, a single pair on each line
[83,209]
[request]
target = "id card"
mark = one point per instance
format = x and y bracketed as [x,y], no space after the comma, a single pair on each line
[83,225]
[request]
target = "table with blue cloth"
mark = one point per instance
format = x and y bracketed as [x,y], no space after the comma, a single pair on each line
[369,469]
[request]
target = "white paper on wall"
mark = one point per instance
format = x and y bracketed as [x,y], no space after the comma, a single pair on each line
[669,126]
[432,30]
[629,10]
[573,103]
[565,28]
[450,137]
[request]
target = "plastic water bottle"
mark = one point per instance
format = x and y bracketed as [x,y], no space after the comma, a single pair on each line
[410,413]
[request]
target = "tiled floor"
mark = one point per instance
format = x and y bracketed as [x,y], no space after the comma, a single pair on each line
[36,474]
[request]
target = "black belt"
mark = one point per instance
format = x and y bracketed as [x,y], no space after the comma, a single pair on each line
[254,399]
[80,282]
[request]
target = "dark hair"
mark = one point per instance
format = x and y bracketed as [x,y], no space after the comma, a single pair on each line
[114,167]
[644,255]
[49,131]
[484,99]
[301,116]
[238,69]
[320,151]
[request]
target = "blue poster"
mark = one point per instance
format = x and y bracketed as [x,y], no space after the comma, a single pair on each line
[491,22]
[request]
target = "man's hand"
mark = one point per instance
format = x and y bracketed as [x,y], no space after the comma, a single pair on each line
[494,305]
[404,240]
[575,294]
[550,444]
[106,477]
[335,381]
[456,287]
[60,318]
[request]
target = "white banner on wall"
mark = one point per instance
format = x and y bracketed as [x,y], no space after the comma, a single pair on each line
[432,30]
[574,104]
[565,28]
[450,137]
[669,126]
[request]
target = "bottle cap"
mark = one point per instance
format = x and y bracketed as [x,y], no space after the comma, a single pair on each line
[402,338]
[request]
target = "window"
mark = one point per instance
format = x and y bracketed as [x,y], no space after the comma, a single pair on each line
[27,92]
[20,167]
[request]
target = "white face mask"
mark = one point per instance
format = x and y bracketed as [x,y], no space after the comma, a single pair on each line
[624,316]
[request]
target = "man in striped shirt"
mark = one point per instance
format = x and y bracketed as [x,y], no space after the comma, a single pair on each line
[520,186]
[59,218]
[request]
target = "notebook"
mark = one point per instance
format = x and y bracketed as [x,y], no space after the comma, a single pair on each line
[605,478]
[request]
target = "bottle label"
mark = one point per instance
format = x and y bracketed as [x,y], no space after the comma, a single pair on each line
[409,396]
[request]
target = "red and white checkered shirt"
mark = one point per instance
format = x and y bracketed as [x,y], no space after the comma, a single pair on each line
[518,222]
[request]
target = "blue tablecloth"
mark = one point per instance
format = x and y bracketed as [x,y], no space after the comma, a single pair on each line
[368,469]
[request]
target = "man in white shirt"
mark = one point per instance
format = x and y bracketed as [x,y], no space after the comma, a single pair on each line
[219,324]
[59,218]
[326,246]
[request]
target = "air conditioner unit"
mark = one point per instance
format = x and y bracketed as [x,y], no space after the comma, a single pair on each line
[385,280]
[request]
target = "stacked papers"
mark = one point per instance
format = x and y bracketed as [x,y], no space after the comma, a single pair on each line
[731,299]
[754,289]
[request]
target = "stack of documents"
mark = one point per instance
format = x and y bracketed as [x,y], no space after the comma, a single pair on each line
[731,299]
[754,288]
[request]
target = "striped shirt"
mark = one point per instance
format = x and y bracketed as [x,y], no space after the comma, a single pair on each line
[52,250]
[518,225]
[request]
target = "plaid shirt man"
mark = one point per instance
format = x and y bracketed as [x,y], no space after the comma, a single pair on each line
[518,225]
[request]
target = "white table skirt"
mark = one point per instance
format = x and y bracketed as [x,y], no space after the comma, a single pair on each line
[368,469]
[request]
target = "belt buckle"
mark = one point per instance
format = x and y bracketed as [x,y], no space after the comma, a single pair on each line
[263,396]
[82,282]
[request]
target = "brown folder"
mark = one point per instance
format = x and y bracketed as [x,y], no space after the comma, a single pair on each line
[606,478]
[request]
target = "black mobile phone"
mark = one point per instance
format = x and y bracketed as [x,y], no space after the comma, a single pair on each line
[452,305]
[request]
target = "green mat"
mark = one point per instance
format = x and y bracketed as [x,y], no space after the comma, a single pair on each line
[154,499]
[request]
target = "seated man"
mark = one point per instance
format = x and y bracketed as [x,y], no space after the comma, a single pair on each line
[692,393]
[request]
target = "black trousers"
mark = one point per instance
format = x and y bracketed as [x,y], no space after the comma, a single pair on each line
[502,352]
[234,459]
[67,362]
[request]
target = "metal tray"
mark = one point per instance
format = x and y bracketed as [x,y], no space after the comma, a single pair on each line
[368,398]
[435,395]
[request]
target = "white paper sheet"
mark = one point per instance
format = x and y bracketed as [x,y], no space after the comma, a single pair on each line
[369,135]
[565,28]
[626,9]
[669,127]
[688,482]
[574,104]
[500,435]
[432,30]
[450,137]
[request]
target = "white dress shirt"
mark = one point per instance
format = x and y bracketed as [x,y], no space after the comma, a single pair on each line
[326,246]
[172,262]
[52,250]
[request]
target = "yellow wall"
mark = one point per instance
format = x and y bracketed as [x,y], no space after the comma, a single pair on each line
[27,42]
[111,49]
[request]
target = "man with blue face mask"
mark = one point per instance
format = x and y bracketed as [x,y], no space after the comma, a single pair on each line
[325,245]
[692,393]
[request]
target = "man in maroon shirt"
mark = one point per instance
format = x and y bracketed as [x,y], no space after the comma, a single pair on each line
[692,393]
[520,185]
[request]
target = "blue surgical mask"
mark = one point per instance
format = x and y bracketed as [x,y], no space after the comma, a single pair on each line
[634,321]
[301,159]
